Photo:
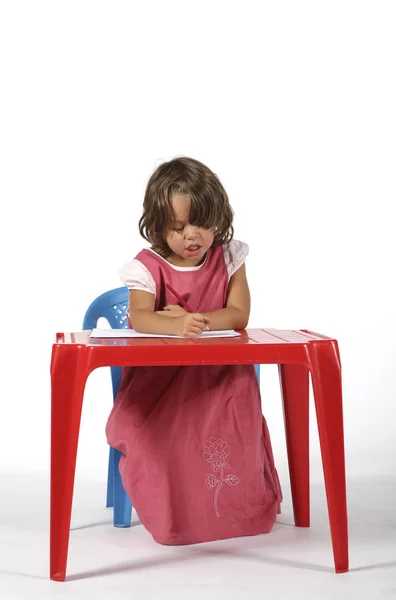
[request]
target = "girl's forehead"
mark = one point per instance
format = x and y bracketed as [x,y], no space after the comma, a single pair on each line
[181,206]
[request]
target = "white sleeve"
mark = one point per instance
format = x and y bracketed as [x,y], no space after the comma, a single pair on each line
[137,277]
[235,254]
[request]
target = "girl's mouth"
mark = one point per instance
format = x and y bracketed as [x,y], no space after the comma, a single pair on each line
[193,249]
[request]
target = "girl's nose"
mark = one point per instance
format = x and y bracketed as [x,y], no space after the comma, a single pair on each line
[191,231]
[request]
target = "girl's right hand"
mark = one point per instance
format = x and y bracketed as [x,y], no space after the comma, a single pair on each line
[191,324]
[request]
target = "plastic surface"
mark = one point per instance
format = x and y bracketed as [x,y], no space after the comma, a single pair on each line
[297,353]
[112,306]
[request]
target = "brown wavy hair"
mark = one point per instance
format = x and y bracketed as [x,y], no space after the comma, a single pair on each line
[209,209]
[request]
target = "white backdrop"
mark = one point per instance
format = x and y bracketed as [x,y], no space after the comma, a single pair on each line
[292,104]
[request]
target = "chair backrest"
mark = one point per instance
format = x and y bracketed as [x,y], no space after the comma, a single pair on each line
[112,306]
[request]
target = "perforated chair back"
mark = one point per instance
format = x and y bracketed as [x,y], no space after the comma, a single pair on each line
[112,306]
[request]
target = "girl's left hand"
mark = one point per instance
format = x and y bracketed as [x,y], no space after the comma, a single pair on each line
[172,310]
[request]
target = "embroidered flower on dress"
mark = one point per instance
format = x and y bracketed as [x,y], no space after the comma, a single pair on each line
[210,481]
[216,453]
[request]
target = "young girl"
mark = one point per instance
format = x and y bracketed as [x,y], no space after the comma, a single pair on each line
[196,457]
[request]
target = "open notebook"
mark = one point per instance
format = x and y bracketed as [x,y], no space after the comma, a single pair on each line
[130,333]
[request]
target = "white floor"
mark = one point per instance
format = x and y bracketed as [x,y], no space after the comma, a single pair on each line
[110,563]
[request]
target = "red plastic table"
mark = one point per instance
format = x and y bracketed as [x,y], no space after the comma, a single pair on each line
[297,352]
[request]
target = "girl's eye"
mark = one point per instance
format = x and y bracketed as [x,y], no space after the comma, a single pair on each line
[178,229]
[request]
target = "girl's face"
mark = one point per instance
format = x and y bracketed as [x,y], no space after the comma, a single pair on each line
[188,243]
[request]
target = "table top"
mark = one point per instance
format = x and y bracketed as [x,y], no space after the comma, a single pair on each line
[248,336]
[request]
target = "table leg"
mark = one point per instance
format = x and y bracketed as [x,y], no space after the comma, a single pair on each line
[294,381]
[68,376]
[327,387]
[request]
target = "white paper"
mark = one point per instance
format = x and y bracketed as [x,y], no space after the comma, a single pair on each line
[131,333]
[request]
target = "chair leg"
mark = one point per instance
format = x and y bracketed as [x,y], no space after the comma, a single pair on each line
[257,367]
[294,381]
[110,480]
[122,504]
[67,388]
[116,376]
[120,500]
[327,387]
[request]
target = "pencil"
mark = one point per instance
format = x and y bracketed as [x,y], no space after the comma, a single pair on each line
[180,299]
[182,302]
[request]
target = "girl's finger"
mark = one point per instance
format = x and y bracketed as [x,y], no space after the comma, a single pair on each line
[195,330]
[197,318]
[202,319]
[197,327]
[192,333]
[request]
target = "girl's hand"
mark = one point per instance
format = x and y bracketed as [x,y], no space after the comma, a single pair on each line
[191,324]
[173,310]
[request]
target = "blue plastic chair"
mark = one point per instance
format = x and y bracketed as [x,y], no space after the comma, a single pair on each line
[112,306]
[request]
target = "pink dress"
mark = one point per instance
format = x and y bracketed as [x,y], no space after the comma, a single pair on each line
[196,460]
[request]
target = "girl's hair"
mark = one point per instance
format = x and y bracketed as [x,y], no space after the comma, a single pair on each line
[210,207]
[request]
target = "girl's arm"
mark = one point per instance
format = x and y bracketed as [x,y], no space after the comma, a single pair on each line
[237,311]
[145,320]
[142,315]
